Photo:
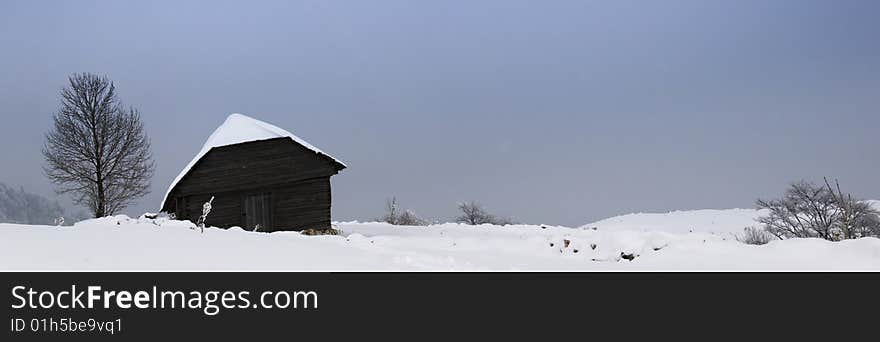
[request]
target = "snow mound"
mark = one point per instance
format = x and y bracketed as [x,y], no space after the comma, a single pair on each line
[729,222]
[237,129]
[723,221]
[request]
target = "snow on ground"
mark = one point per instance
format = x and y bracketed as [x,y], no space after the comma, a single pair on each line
[122,243]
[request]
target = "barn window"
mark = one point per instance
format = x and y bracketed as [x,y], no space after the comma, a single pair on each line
[258,212]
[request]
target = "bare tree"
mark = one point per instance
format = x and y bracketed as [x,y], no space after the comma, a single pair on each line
[97,150]
[392,211]
[473,213]
[805,210]
[810,210]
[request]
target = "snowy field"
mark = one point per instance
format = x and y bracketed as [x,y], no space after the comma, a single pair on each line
[681,240]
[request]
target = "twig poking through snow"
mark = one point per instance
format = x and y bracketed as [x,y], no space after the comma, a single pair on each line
[206,209]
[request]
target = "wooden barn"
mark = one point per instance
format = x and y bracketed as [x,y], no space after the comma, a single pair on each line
[261,178]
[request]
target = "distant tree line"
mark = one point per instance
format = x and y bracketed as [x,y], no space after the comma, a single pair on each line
[19,206]
[472,213]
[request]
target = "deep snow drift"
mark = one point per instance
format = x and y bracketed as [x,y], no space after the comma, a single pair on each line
[629,242]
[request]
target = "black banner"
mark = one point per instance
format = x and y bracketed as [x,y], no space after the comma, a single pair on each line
[129,306]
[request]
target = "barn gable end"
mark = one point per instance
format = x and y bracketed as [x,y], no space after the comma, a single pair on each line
[277,180]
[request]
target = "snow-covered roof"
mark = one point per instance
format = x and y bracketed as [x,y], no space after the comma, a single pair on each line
[237,129]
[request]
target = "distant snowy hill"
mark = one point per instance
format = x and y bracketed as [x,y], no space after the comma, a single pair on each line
[707,221]
[718,221]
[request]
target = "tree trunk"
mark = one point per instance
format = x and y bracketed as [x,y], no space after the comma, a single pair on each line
[100,207]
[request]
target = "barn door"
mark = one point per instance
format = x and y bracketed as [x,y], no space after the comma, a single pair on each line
[258,212]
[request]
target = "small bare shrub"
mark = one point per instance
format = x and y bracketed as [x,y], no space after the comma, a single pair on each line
[401,217]
[409,218]
[326,231]
[755,236]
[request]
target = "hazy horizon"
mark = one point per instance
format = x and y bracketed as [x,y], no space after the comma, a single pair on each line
[561,112]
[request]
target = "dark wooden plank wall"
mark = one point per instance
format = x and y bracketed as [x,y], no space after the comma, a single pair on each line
[225,212]
[296,206]
[298,178]
[254,165]
[303,205]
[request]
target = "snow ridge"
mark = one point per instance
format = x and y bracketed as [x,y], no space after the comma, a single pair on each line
[719,221]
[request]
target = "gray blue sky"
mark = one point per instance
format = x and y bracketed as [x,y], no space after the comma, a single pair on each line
[559,112]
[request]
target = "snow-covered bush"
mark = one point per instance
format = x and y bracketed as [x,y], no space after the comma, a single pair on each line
[402,217]
[409,218]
